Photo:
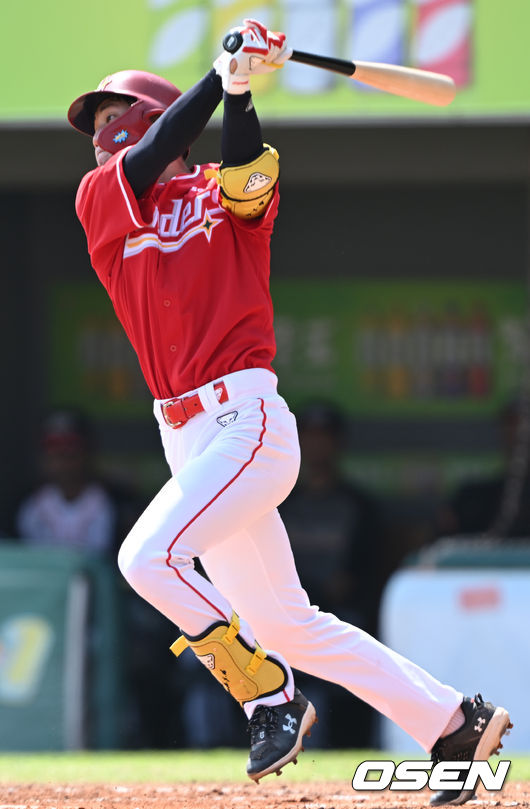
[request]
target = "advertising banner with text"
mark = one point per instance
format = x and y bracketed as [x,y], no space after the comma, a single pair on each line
[67,48]
[382,350]
[379,349]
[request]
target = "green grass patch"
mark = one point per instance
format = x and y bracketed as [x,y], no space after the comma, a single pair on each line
[186,766]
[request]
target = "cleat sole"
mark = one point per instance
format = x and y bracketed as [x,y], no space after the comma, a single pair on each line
[488,745]
[308,719]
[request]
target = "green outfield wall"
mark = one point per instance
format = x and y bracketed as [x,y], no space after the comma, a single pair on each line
[60,665]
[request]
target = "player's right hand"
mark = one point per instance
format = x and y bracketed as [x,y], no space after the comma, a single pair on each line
[250,49]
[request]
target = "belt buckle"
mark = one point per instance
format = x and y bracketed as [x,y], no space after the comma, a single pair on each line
[182,418]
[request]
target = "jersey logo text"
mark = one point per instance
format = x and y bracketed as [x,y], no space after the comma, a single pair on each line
[168,232]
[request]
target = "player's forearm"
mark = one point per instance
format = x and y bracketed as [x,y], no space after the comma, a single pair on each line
[241,139]
[172,134]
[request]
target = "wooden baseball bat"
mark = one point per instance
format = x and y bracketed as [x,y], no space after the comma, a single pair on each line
[409,82]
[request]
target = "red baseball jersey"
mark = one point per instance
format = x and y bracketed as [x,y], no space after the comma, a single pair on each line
[188,280]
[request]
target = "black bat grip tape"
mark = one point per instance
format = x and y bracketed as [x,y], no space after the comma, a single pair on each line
[327,62]
[232,42]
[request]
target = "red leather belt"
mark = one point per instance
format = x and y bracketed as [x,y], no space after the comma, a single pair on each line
[176,412]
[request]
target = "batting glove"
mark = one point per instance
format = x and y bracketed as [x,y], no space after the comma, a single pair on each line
[252,50]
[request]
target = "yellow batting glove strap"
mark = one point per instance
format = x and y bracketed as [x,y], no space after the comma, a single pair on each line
[246,673]
[178,647]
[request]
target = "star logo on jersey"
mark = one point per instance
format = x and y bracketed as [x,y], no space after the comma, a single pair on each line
[120,137]
[208,224]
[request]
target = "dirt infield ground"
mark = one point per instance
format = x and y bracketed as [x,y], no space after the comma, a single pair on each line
[269,795]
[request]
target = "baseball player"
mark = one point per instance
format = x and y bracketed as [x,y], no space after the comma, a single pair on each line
[183,253]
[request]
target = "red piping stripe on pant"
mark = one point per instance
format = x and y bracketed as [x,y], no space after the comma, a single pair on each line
[203,509]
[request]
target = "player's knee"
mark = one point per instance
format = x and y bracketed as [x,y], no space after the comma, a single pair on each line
[137,564]
[140,561]
[128,560]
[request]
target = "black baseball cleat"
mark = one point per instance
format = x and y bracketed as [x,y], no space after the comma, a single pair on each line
[276,735]
[477,740]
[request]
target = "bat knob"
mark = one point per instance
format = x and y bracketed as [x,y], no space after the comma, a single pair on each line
[232,42]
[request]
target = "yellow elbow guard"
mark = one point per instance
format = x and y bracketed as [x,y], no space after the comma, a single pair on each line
[244,672]
[246,190]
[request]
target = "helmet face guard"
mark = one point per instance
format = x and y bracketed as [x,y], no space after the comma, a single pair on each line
[128,128]
[150,95]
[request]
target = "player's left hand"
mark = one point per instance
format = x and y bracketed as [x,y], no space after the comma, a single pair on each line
[277,50]
[257,50]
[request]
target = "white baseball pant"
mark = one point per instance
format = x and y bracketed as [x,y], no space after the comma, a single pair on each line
[220,505]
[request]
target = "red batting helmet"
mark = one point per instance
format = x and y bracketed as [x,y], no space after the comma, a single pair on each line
[149,95]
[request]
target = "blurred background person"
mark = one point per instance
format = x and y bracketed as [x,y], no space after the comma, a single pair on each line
[483,506]
[71,506]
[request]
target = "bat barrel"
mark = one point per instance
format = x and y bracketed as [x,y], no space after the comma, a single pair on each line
[409,82]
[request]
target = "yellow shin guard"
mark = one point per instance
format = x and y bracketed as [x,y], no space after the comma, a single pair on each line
[245,673]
